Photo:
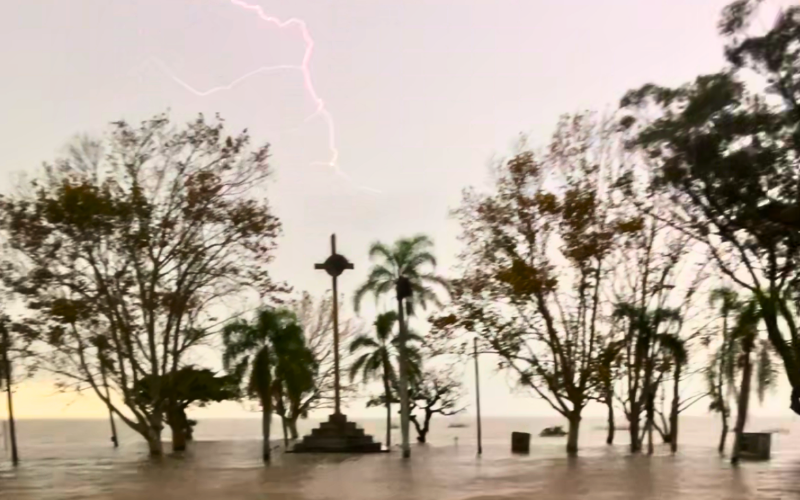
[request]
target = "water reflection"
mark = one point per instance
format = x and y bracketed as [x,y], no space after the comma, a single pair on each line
[227,466]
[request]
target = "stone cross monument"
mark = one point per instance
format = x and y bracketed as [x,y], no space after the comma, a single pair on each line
[337,434]
[335,265]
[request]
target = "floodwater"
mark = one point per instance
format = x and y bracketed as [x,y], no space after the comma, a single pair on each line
[63,460]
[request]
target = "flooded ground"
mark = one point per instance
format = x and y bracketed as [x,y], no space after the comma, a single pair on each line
[73,460]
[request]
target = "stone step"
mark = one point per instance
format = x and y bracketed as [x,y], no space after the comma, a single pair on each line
[330,440]
[337,435]
[338,445]
[338,425]
[323,432]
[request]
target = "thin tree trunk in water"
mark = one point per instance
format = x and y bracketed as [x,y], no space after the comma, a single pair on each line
[404,406]
[154,442]
[266,417]
[387,393]
[572,435]
[724,435]
[673,414]
[650,416]
[178,436]
[110,411]
[744,401]
[293,434]
[285,432]
[611,424]
[723,410]
[11,422]
[178,424]
[633,430]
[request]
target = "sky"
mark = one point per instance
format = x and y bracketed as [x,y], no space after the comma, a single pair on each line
[422,96]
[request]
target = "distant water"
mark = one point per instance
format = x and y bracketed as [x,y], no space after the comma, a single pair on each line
[69,459]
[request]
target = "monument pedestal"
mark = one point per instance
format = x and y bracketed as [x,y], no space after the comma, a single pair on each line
[337,435]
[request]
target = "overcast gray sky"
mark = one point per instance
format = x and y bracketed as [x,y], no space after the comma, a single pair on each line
[422,95]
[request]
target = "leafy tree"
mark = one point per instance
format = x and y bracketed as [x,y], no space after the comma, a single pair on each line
[434,392]
[403,269]
[136,239]
[725,149]
[188,386]
[536,266]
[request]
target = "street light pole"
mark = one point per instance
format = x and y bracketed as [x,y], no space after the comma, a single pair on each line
[477,393]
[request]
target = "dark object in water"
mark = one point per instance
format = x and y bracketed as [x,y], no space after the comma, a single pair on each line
[520,442]
[555,431]
[756,445]
[457,425]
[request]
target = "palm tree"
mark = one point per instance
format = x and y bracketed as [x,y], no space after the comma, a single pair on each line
[250,353]
[676,350]
[723,364]
[377,361]
[403,269]
[295,371]
[745,333]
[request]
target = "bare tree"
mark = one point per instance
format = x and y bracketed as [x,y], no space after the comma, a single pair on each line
[123,249]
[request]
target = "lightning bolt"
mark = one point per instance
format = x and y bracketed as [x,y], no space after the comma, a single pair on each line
[304,68]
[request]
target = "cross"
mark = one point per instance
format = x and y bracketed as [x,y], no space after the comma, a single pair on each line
[335,265]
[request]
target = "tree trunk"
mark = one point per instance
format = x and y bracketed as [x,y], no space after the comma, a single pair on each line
[266,418]
[293,434]
[388,395]
[189,428]
[7,369]
[404,404]
[178,436]
[723,410]
[285,432]
[650,418]
[633,430]
[744,401]
[724,435]
[665,434]
[572,435]
[673,414]
[178,424]
[154,441]
[114,438]
[611,424]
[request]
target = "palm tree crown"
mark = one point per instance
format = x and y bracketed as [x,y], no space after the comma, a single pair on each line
[407,257]
[378,352]
[252,349]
